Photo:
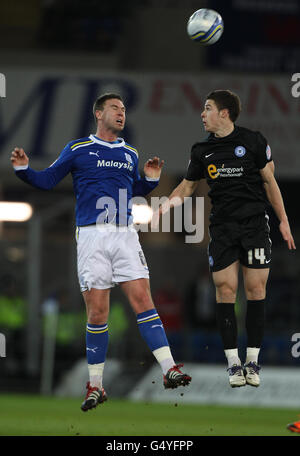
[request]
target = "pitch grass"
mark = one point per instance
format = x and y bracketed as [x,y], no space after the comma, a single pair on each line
[22,415]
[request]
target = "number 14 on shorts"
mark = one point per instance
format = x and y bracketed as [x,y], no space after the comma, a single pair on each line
[257,254]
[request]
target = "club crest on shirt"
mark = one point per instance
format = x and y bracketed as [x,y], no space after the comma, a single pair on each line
[268,152]
[240,151]
[128,157]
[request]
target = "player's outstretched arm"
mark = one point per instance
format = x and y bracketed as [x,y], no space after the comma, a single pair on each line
[18,157]
[184,189]
[276,200]
[45,179]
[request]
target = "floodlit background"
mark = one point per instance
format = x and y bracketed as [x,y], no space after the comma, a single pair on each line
[57,57]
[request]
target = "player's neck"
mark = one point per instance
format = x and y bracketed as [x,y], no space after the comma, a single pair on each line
[106,135]
[224,130]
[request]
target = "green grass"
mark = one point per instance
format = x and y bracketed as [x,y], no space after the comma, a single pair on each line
[50,416]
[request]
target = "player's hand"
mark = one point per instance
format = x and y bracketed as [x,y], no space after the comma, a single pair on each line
[285,230]
[153,168]
[18,157]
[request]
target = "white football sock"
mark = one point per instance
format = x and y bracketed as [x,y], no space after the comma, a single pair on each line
[164,358]
[232,357]
[252,355]
[96,374]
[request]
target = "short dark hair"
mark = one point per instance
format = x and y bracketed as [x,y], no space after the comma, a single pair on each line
[225,99]
[100,101]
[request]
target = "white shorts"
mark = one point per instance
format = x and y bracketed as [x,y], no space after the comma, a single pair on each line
[107,255]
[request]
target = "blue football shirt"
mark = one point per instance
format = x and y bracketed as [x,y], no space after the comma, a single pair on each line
[105,178]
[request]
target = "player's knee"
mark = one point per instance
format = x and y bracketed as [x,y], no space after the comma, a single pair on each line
[141,302]
[226,292]
[97,316]
[256,293]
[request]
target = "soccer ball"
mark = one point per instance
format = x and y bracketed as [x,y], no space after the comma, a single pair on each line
[205,26]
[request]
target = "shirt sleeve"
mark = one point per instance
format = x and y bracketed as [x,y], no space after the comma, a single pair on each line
[143,186]
[195,169]
[263,151]
[51,176]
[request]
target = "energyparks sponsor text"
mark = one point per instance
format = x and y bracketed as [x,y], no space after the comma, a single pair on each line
[215,172]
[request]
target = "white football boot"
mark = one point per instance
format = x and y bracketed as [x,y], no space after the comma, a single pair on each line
[236,376]
[251,372]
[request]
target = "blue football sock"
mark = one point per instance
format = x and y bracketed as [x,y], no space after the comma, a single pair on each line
[96,343]
[152,330]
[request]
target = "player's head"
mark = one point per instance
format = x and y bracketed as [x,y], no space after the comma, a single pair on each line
[221,106]
[109,111]
[226,99]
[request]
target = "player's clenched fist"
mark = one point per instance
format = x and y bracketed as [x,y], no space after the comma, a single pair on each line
[18,157]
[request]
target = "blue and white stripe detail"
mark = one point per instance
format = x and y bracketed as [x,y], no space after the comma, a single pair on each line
[206,37]
[153,316]
[81,144]
[96,329]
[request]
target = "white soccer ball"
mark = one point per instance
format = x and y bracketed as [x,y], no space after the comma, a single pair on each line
[205,26]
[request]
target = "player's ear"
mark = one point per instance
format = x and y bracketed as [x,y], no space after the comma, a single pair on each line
[224,113]
[98,114]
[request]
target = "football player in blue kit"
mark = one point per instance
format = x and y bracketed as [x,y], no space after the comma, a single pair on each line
[105,176]
[238,167]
